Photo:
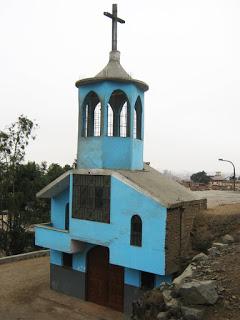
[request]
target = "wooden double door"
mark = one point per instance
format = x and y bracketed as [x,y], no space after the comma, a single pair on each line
[105,281]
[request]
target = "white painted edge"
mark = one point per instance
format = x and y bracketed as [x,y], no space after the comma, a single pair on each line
[24,256]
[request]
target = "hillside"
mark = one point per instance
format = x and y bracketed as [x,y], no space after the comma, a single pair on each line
[218,264]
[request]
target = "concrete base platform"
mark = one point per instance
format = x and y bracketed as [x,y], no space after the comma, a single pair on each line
[68,281]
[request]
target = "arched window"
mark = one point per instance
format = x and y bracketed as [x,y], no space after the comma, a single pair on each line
[138,119]
[91,115]
[97,120]
[136,231]
[121,114]
[110,121]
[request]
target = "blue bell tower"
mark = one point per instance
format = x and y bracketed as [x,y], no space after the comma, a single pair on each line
[111,115]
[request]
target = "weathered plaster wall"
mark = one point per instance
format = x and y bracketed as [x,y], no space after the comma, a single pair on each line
[110,152]
[58,206]
[125,202]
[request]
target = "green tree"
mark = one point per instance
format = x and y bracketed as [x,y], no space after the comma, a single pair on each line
[13,143]
[55,170]
[200,177]
[19,183]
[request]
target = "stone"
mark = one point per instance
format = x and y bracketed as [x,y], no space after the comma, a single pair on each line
[199,292]
[173,304]
[227,239]
[167,295]
[162,316]
[187,273]
[219,245]
[191,313]
[213,251]
[170,302]
[200,257]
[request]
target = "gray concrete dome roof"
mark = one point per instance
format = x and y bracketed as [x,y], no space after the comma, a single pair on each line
[113,71]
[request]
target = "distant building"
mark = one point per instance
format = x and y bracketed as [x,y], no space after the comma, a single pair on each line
[118,227]
[220,182]
[218,179]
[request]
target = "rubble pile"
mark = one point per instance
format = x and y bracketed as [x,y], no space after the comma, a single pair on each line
[203,285]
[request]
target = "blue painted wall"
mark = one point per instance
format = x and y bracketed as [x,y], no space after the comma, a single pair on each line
[56,257]
[80,259]
[126,201]
[110,152]
[58,206]
[56,239]
[132,277]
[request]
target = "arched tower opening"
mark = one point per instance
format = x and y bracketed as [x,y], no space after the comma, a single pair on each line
[120,106]
[91,115]
[137,126]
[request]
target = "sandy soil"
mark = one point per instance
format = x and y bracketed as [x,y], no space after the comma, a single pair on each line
[25,295]
[216,197]
[226,271]
[209,227]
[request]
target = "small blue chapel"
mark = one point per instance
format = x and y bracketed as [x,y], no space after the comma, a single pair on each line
[118,227]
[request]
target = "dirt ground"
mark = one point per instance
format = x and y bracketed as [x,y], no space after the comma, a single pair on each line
[209,227]
[213,223]
[25,295]
[224,269]
[217,197]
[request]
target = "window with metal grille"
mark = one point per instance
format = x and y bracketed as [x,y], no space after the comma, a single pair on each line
[91,115]
[123,120]
[147,280]
[110,121]
[135,124]
[119,117]
[86,122]
[91,197]
[97,120]
[136,231]
[67,260]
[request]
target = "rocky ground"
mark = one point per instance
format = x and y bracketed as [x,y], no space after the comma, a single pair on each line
[222,266]
[208,289]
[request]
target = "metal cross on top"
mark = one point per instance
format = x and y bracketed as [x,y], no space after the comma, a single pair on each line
[115,20]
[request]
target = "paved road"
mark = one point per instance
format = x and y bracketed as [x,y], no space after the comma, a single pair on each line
[216,197]
[25,295]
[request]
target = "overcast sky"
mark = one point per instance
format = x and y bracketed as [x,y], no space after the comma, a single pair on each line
[188,51]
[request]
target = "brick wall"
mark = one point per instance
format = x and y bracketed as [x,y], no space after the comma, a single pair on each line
[173,243]
[179,226]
